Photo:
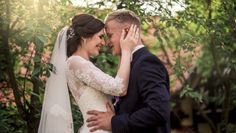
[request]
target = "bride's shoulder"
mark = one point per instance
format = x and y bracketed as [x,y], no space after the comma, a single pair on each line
[74,58]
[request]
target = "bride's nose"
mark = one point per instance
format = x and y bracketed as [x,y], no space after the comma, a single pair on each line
[103,42]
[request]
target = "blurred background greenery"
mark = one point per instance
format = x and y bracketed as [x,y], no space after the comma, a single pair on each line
[195,39]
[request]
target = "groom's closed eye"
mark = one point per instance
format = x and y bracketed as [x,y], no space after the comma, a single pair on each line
[109,35]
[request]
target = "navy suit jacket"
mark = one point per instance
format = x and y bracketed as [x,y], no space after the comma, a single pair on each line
[146,107]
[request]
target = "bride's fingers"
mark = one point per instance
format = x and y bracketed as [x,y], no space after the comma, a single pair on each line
[136,36]
[122,35]
[134,31]
[130,31]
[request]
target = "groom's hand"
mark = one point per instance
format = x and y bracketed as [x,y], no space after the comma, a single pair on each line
[100,120]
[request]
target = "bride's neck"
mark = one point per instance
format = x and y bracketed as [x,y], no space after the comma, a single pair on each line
[82,53]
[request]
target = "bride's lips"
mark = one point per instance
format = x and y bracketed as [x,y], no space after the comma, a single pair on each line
[98,46]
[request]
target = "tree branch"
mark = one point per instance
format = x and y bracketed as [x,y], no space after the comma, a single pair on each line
[209,121]
[9,64]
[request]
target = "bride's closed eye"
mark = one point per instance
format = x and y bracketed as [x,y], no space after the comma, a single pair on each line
[104,37]
[101,36]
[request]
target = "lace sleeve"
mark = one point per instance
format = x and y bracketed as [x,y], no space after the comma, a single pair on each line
[92,76]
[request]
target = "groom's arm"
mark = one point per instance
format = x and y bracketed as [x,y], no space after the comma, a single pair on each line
[154,90]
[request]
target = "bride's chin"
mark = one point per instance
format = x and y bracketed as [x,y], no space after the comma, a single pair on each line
[96,54]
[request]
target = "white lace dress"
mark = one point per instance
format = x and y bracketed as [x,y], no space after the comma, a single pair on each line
[90,87]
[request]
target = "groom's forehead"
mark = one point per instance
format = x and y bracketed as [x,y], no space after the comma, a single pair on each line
[111,28]
[112,24]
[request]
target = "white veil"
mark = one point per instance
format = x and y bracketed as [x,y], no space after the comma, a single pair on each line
[56,116]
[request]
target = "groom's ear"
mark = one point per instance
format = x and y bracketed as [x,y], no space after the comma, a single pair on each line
[126,31]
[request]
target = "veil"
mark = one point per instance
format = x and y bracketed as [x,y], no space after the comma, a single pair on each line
[56,116]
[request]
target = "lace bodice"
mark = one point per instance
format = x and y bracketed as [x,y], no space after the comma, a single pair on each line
[90,86]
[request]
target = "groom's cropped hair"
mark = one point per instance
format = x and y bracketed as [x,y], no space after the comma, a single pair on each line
[123,16]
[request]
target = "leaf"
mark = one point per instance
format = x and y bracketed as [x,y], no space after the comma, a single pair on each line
[37,59]
[46,29]
[35,94]
[189,92]
[43,39]
[36,71]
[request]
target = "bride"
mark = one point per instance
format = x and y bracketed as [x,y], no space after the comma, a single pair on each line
[89,86]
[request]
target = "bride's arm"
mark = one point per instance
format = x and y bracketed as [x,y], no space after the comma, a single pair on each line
[124,70]
[127,44]
[92,76]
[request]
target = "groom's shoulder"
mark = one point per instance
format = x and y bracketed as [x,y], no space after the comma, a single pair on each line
[149,59]
[148,56]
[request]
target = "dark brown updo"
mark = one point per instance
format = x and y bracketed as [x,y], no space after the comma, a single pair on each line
[83,25]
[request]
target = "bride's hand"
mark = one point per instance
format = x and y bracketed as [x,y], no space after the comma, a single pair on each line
[129,42]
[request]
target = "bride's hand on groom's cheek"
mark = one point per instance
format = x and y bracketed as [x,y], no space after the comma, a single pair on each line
[100,120]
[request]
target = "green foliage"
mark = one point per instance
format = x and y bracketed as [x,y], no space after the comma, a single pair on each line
[10,120]
[228,128]
[77,116]
[210,25]
[189,92]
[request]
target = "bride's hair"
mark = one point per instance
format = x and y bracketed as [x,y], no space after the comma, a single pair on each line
[83,25]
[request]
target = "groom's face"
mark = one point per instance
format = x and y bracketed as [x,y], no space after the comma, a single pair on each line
[113,31]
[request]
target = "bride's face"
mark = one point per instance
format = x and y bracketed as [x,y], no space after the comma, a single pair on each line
[93,44]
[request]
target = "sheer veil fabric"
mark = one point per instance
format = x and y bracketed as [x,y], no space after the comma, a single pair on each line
[56,116]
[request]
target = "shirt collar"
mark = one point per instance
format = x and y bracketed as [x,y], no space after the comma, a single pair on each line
[136,49]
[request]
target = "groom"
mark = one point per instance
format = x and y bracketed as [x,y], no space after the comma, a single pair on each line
[146,107]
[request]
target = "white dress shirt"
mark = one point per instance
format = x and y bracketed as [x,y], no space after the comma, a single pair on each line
[136,49]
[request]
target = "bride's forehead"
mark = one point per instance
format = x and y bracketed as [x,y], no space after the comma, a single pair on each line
[102,31]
